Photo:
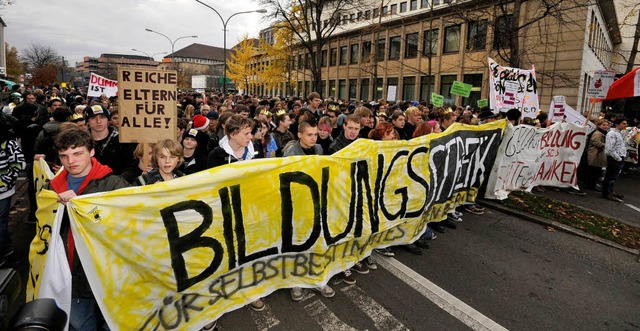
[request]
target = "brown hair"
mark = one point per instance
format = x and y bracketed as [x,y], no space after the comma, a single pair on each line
[381,130]
[172,146]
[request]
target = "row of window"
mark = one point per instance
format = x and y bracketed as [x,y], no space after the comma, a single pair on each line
[362,89]
[451,42]
[597,38]
[385,10]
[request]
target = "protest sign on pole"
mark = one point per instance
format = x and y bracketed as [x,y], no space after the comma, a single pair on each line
[530,156]
[437,99]
[523,91]
[556,109]
[483,103]
[460,88]
[180,253]
[147,100]
[600,83]
[99,85]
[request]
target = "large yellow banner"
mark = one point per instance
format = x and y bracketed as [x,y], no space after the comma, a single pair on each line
[178,254]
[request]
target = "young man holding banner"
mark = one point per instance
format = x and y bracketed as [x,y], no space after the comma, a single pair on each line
[82,174]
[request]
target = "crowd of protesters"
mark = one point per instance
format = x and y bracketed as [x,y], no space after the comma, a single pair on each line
[65,128]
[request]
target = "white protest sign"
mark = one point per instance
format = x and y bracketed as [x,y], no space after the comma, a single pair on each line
[602,80]
[99,85]
[525,96]
[530,156]
[573,116]
[556,108]
[391,92]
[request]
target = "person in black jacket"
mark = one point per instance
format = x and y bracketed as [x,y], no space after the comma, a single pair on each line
[108,149]
[195,159]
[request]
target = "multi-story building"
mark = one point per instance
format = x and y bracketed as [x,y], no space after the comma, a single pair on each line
[195,59]
[421,46]
[107,64]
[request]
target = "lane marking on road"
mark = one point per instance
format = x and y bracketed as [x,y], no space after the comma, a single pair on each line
[443,299]
[264,320]
[633,207]
[382,318]
[327,320]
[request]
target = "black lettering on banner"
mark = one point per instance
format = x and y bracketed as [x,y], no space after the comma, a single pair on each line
[301,178]
[418,179]
[227,225]
[402,191]
[125,75]
[179,245]
[360,175]
[330,240]
[240,235]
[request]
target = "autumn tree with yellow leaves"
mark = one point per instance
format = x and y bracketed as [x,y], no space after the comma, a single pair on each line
[240,69]
[275,69]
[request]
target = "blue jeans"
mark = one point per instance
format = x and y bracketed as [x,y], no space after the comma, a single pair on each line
[5,238]
[85,315]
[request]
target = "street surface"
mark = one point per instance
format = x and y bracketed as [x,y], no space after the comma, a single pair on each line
[494,272]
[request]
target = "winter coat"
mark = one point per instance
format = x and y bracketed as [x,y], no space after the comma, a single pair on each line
[595,155]
[223,154]
[340,143]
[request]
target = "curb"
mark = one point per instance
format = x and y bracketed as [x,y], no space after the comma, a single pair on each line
[557,225]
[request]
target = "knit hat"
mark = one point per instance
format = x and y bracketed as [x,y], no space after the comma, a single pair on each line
[96,110]
[213,115]
[199,122]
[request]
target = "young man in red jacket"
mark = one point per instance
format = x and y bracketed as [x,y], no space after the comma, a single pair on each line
[82,174]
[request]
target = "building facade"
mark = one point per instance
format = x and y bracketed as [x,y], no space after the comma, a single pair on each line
[193,60]
[423,46]
[107,64]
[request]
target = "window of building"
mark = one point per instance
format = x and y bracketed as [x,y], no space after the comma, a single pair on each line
[476,81]
[364,89]
[379,88]
[411,45]
[342,89]
[353,88]
[446,81]
[426,87]
[394,48]
[359,15]
[394,9]
[333,57]
[307,88]
[345,19]
[376,12]
[385,10]
[323,88]
[352,17]
[367,14]
[299,89]
[408,88]
[413,5]
[502,32]
[430,42]
[403,7]
[300,62]
[332,88]
[436,2]
[452,39]
[353,57]
[424,4]
[380,45]
[477,35]
[324,58]
[343,55]
[366,51]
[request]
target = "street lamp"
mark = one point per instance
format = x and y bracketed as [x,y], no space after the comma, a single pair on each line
[224,29]
[147,54]
[173,43]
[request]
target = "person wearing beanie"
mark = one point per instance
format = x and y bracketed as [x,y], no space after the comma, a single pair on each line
[199,122]
[108,149]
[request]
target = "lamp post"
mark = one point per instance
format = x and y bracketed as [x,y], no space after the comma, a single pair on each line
[173,43]
[224,48]
[147,54]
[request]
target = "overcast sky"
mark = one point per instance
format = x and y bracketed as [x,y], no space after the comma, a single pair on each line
[78,28]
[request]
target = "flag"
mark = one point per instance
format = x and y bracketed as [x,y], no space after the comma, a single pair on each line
[626,86]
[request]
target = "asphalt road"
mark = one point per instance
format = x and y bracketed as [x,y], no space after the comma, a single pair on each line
[494,272]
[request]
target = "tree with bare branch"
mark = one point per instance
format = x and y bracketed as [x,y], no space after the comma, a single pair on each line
[312,24]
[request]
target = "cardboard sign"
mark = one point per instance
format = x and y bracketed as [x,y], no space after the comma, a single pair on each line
[557,109]
[602,80]
[460,88]
[147,102]
[483,103]
[437,99]
[99,85]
